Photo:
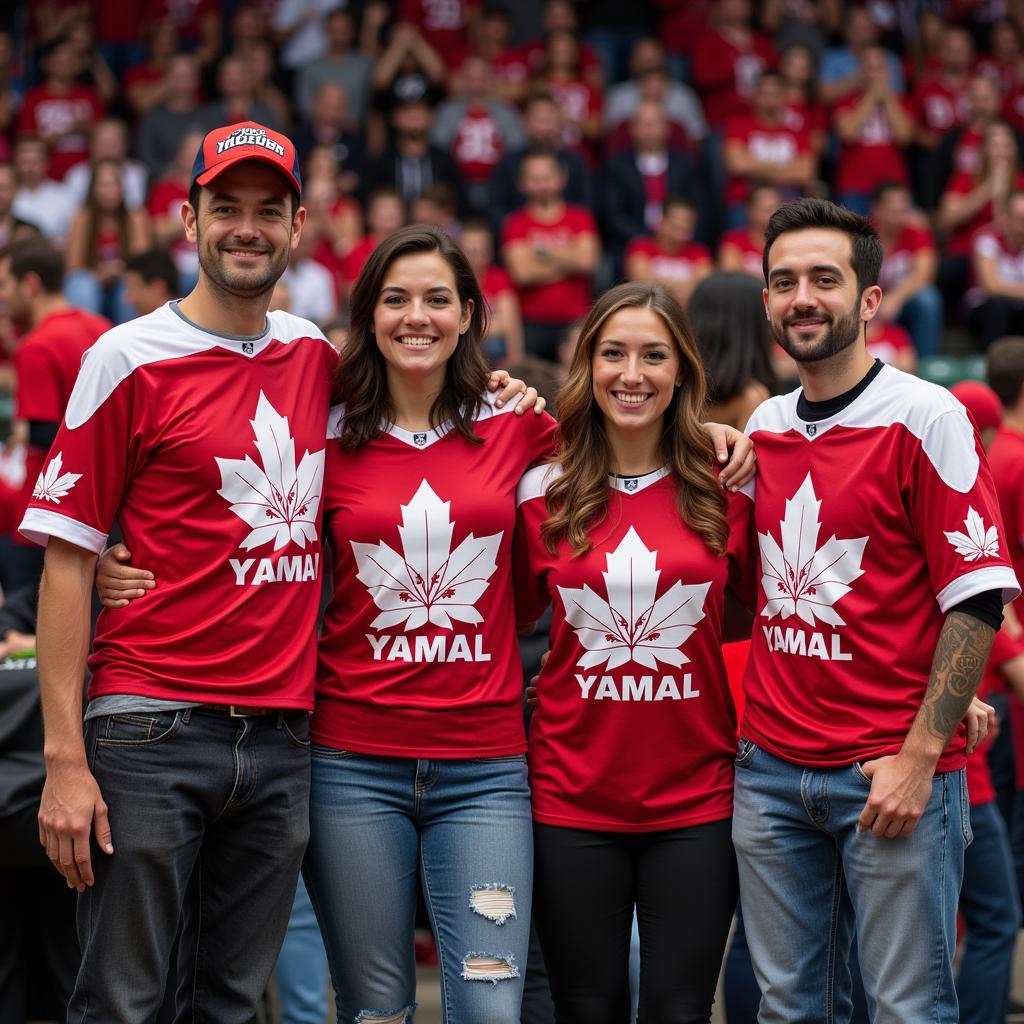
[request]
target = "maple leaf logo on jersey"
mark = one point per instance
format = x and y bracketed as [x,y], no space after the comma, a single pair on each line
[52,485]
[427,581]
[977,542]
[801,578]
[633,624]
[277,500]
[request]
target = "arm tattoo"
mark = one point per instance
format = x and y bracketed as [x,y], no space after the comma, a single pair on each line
[960,656]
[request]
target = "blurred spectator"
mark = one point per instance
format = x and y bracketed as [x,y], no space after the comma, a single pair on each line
[332,125]
[109,141]
[579,100]
[997,298]
[164,209]
[10,98]
[409,69]
[967,205]
[443,24]
[1004,63]
[503,343]
[681,28]
[542,123]
[802,110]
[259,55]
[727,316]
[39,200]
[649,80]
[842,71]
[150,281]
[249,26]
[761,146]
[411,163]
[671,257]
[612,28]
[310,285]
[909,268]
[941,98]
[638,181]
[561,16]
[60,111]
[145,85]
[477,129]
[104,234]
[892,344]
[326,184]
[551,250]
[177,114]
[50,352]
[492,40]
[8,190]
[437,205]
[342,64]
[300,29]
[81,34]
[729,58]
[922,58]
[197,22]
[873,124]
[742,249]
[805,23]
[385,214]
[236,86]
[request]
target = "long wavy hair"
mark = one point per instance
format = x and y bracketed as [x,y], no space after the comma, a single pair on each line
[361,379]
[578,499]
[94,214]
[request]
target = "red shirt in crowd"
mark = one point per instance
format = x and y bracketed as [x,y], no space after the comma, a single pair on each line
[672,266]
[1006,458]
[938,108]
[495,282]
[898,258]
[352,264]
[477,147]
[63,119]
[967,152]
[889,341]
[776,144]
[418,655]
[752,251]
[855,582]
[961,240]
[209,451]
[634,728]
[568,299]
[874,157]
[724,73]
[443,23]
[993,244]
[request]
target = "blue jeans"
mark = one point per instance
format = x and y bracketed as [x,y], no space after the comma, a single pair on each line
[806,873]
[302,966]
[463,829]
[922,316]
[209,816]
[83,289]
[991,909]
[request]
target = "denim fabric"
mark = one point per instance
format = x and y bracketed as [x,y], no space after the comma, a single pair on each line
[991,909]
[799,852]
[463,828]
[302,966]
[209,817]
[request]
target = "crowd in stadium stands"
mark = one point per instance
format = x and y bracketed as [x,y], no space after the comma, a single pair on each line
[566,146]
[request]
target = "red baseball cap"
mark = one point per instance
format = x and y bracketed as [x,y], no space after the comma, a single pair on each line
[980,401]
[224,147]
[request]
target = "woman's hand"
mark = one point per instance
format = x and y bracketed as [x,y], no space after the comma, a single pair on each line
[117,582]
[739,469]
[509,388]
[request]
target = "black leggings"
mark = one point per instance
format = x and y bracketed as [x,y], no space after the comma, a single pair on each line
[683,884]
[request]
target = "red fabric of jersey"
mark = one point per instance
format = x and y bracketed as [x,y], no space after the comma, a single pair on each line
[677,266]
[776,144]
[873,157]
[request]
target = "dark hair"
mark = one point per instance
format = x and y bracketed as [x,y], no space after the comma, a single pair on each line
[760,185]
[36,256]
[726,314]
[882,189]
[541,152]
[195,190]
[361,379]
[806,213]
[384,192]
[93,214]
[155,265]
[1004,369]
[771,74]
[539,95]
[441,194]
[682,201]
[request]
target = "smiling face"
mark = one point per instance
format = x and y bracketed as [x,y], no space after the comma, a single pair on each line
[812,295]
[636,369]
[245,230]
[419,316]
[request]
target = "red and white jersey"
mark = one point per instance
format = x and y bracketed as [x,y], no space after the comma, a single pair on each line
[634,728]
[418,654]
[939,107]
[856,580]
[992,243]
[1006,458]
[209,452]
[898,258]
[751,252]
[477,147]
[774,144]
[874,156]
[888,341]
[681,266]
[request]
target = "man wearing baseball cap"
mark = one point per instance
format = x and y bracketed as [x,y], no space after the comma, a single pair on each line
[199,428]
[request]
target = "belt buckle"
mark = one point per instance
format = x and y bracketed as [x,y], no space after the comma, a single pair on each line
[233,711]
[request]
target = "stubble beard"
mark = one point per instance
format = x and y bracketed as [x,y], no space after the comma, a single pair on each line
[841,334]
[242,284]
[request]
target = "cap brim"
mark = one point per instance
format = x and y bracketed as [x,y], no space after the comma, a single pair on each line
[215,172]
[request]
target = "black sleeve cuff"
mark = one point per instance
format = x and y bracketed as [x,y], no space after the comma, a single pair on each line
[42,434]
[986,607]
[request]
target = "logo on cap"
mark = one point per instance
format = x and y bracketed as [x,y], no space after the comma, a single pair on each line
[250,137]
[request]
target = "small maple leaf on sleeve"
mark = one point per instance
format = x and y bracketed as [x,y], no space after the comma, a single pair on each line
[52,485]
[978,542]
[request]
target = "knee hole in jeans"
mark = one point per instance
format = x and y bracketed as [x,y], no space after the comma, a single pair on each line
[492,967]
[402,1016]
[494,901]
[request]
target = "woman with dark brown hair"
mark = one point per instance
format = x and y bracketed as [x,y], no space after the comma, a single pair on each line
[627,534]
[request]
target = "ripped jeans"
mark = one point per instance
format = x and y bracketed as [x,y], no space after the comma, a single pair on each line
[463,829]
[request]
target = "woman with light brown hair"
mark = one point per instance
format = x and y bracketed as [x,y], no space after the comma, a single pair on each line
[630,537]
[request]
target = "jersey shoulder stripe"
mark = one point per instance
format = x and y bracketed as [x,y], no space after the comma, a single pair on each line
[535,482]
